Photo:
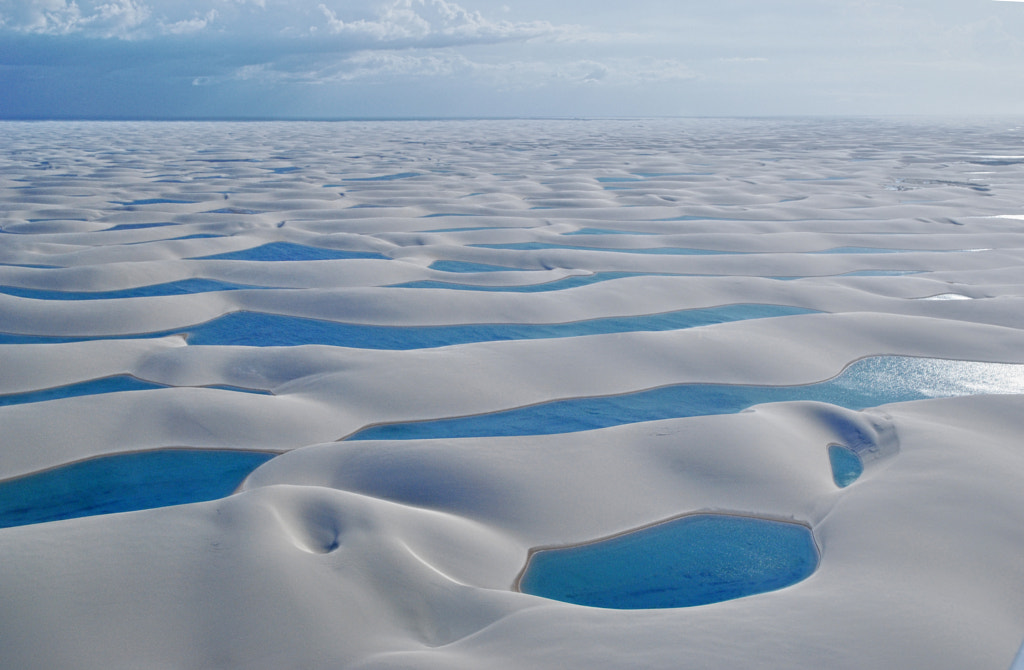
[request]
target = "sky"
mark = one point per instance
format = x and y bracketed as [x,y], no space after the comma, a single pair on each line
[181,59]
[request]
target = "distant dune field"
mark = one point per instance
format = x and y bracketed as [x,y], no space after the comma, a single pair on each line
[311,395]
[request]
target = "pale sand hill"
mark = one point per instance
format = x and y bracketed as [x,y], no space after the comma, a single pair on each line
[403,554]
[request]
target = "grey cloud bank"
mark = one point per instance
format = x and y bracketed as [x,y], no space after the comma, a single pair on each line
[426,58]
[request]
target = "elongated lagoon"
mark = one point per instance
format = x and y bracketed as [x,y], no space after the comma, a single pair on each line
[125,483]
[866,383]
[258,329]
[689,561]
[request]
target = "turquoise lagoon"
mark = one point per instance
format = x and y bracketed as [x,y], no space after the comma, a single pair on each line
[868,382]
[692,560]
[113,384]
[258,329]
[125,483]
[180,287]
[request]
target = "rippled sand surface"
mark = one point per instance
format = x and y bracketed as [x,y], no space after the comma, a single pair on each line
[279,287]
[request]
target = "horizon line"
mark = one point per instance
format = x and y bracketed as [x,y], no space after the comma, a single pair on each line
[342,119]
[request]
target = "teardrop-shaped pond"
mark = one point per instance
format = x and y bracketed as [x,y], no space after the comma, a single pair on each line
[846,465]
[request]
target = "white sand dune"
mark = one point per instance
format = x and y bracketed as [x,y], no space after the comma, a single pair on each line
[404,553]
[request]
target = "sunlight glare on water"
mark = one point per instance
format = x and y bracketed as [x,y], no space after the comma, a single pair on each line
[938,378]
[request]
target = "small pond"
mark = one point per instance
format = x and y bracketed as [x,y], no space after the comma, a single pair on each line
[846,465]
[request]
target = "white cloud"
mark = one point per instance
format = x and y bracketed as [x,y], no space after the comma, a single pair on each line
[384,66]
[189,26]
[54,17]
[597,73]
[369,65]
[392,22]
[119,18]
[431,20]
[618,71]
[116,19]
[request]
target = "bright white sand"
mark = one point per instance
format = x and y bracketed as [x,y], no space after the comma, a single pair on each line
[403,553]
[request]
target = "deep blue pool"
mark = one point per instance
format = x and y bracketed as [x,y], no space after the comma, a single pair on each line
[286,251]
[92,387]
[125,483]
[467,267]
[556,285]
[846,465]
[866,383]
[692,560]
[180,287]
[137,226]
[257,329]
[113,384]
[386,177]
[152,201]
